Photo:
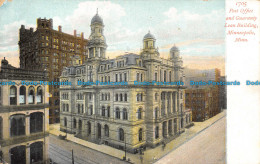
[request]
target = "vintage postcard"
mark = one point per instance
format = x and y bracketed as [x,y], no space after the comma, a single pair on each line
[128,81]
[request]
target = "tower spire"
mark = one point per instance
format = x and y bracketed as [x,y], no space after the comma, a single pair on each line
[97,11]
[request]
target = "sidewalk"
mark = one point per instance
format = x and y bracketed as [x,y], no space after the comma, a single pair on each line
[150,155]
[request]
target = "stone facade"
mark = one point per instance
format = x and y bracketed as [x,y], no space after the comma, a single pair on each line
[24,123]
[50,50]
[123,116]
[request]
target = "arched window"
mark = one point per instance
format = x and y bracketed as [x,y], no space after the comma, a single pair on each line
[89,128]
[108,111]
[65,121]
[63,107]
[121,134]
[117,113]
[78,108]
[157,132]
[18,154]
[156,113]
[139,114]
[140,134]
[74,123]
[91,109]
[39,95]
[13,97]
[36,122]
[116,97]
[36,152]
[67,106]
[165,76]
[106,131]
[80,125]
[17,125]
[22,95]
[125,114]
[170,76]
[140,63]
[103,111]
[156,96]
[31,95]
[121,97]
[125,96]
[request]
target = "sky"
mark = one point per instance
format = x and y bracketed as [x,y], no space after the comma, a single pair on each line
[195,26]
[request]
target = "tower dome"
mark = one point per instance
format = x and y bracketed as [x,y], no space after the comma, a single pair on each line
[174,52]
[174,48]
[97,41]
[97,19]
[149,36]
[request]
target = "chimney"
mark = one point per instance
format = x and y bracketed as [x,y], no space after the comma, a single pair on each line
[59,27]
[82,35]
[75,33]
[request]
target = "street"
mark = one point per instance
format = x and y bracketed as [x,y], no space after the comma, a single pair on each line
[60,152]
[209,146]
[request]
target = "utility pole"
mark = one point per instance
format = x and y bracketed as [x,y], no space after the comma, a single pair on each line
[72,157]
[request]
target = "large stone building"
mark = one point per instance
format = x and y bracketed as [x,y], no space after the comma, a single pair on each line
[24,123]
[123,115]
[51,50]
[202,100]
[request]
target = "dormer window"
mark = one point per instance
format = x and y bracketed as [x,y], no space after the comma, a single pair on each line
[140,63]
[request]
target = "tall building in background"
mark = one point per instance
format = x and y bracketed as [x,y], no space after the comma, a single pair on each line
[50,50]
[24,123]
[123,116]
[223,94]
[202,100]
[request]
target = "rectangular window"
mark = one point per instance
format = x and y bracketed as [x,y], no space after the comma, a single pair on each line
[155,76]
[125,75]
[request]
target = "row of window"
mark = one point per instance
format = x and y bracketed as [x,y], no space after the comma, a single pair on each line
[139,76]
[105,97]
[121,97]
[163,76]
[80,108]
[119,77]
[80,71]
[105,78]
[139,97]
[104,67]
[80,96]
[22,95]
[65,107]
[121,133]
[18,123]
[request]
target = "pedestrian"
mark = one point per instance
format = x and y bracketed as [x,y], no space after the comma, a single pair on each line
[141,158]
[163,145]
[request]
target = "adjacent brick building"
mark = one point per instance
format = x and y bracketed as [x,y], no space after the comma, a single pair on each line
[203,100]
[50,50]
